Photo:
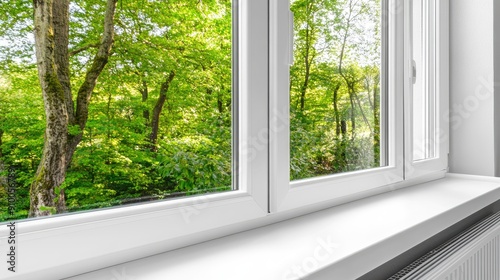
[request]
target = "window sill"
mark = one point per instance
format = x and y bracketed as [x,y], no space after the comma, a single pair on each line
[345,241]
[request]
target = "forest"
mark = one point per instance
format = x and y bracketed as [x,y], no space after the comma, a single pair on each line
[113,102]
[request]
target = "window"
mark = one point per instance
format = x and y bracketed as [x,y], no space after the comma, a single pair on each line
[426,98]
[205,71]
[423,92]
[343,53]
[336,88]
[158,124]
[323,102]
[345,102]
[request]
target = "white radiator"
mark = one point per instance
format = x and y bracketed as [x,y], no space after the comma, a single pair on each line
[472,255]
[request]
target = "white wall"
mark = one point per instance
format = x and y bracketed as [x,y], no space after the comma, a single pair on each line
[496,51]
[472,65]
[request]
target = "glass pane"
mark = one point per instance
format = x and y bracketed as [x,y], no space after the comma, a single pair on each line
[149,120]
[337,88]
[424,99]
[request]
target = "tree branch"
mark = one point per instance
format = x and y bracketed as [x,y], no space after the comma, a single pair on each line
[60,20]
[363,113]
[81,49]
[100,60]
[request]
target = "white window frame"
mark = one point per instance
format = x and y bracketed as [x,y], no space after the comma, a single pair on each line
[150,228]
[439,163]
[337,188]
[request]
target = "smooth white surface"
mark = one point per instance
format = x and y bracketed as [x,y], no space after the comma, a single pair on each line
[496,88]
[362,235]
[472,143]
[279,100]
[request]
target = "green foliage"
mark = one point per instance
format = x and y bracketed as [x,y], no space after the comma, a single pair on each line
[52,210]
[335,124]
[115,164]
[195,165]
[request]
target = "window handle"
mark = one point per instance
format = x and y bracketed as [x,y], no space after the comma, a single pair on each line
[413,71]
[290,38]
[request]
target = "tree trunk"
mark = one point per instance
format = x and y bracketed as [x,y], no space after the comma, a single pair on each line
[336,109]
[376,120]
[352,113]
[145,96]
[220,103]
[343,127]
[309,52]
[368,90]
[307,65]
[350,87]
[51,22]
[51,172]
[155,119]
[61,52]
[305,85]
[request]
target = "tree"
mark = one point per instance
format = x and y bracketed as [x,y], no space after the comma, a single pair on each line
[328,79]
[64,122]
[353,10]
[115,161]
[155,120]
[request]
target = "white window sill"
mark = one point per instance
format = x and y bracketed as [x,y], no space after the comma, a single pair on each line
[343,242]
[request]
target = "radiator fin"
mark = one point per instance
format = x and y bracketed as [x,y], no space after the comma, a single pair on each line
[484,264]
[474,254]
